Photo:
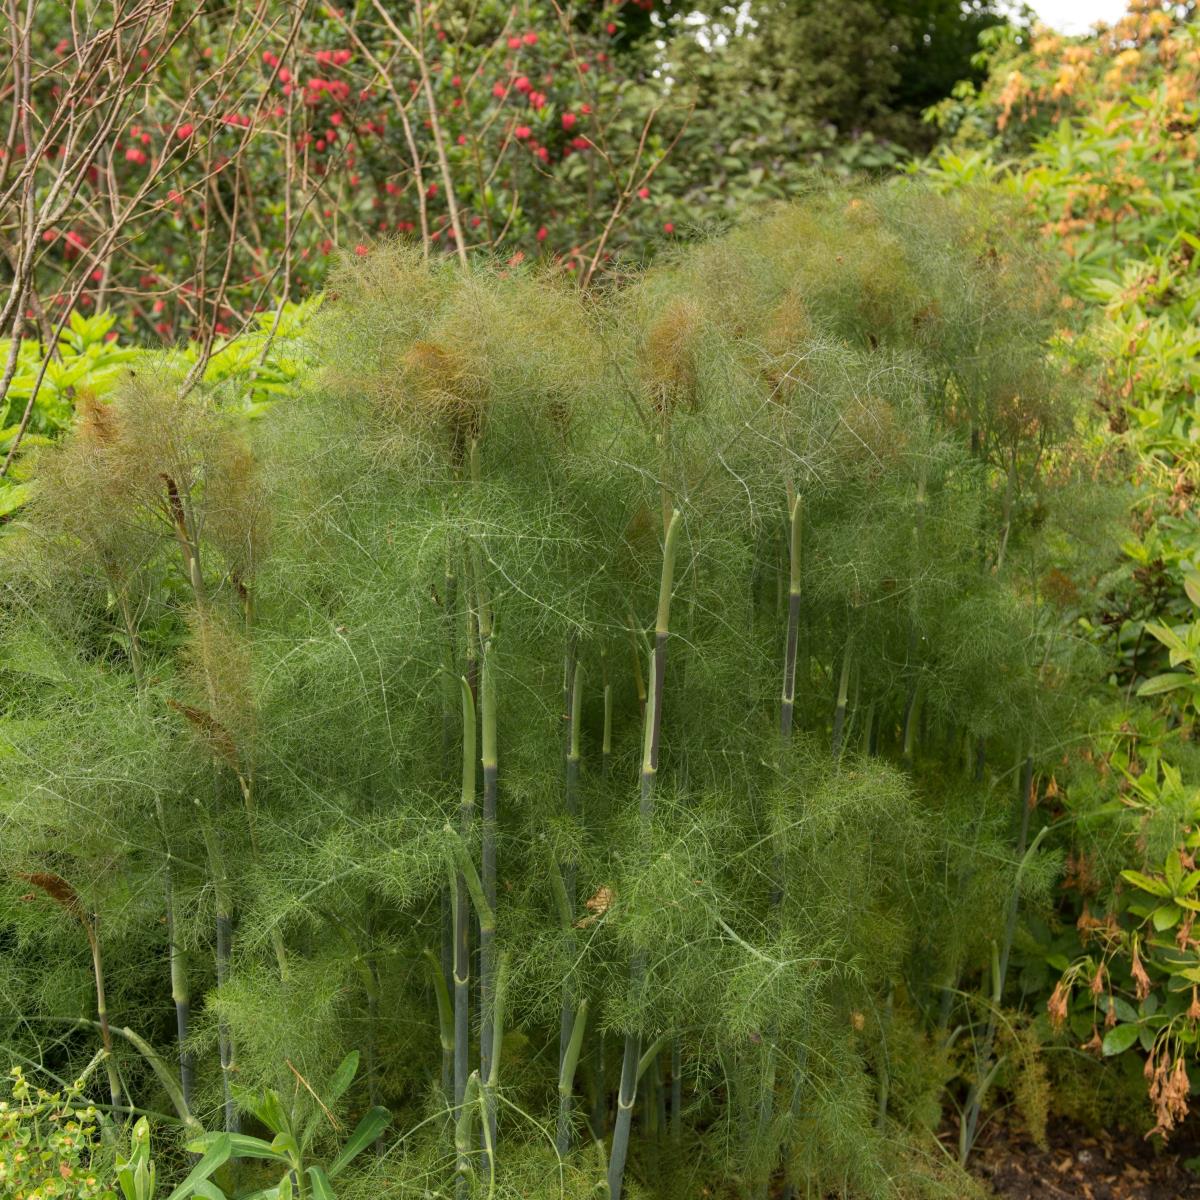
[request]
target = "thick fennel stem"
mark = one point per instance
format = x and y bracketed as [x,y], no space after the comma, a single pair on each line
[450,703]
[89,923]
[839,712]
[627,1090]
[445,1010]
[462,932]
[180,991]
[567,1022]
[788,704]
[766,1110]
[487,949]
[566,1078]
[986,1068]
[488,761]
[224,955]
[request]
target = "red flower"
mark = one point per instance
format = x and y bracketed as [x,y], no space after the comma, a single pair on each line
[541,234]
[530,39]
[643,193]
[360,250]
[335,118]
[462,139]
[514,43]
[456,81]
[341,57]
[185,131]
[568,121]
[134,155]
[431,190]
[580,143]
[522,84]
[610,28]
[499,91]
[668,228]
[537,100]
[522,132]
[543,153]
[269,59]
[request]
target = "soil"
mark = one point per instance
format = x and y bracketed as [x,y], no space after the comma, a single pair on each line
[1080,1165]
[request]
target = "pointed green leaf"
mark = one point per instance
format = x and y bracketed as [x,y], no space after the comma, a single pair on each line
[242,1145]
[1164,683]
[1155,887]
[215,1156]
[322,1189]
[367,1130]
[342,1077]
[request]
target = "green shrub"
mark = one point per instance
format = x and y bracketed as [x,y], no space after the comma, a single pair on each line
[469,686]
[1106,126]
[51,1144]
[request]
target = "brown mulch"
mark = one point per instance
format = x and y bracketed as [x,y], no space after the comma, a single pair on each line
[1079,1165]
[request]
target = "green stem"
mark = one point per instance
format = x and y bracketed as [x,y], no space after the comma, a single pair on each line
[627,1091]
[567,1021]
[566,1078]
[839,713]
[460,905]
[224,956]
[788,705]
[970,1121]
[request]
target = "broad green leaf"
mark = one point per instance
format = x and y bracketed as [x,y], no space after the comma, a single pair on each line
[1164,683]
[1191,585]
[285,1143]
[1124,1010]
[342,1077]
[1156,887]
[1173,870]
[1118,1039]
[322,1189]
[13,497]
[242,1145]
[217,1154]
[1166,916]
[368,1129]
